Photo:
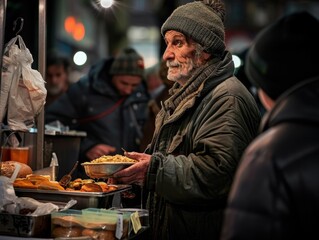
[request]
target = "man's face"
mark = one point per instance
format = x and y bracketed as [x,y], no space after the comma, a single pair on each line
[180,56]
[126,84]
[56,79]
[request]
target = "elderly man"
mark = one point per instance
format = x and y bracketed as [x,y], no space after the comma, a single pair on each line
[201,130]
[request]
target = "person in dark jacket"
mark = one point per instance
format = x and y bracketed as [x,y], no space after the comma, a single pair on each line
[275,194]
[155,106]
[201,130]
[109,104]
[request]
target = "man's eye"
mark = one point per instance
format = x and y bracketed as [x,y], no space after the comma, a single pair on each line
[178,43]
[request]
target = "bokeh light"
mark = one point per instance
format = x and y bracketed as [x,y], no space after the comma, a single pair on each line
[80,58]
[106,3]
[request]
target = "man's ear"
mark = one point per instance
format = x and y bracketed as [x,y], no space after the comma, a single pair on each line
[265,99]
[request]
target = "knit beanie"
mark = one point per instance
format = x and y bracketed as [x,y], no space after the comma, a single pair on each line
[128,62]
[284,54]
[200,22]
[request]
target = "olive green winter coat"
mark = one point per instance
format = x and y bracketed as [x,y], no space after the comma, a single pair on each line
[201,133]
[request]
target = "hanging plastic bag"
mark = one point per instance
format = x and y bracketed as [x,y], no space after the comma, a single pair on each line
[27,92]
[8,70]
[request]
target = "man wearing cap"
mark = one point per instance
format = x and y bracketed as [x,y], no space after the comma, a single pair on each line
[275,194]
[201,130]
[109,104]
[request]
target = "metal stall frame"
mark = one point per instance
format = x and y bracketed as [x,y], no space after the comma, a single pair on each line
[41,67]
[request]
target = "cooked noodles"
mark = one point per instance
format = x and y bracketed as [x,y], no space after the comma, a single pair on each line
[116,158]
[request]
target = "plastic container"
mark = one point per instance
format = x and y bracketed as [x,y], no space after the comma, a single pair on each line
[89,222]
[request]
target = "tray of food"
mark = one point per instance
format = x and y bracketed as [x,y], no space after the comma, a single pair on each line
[87,192]
[106,166]
[84,199]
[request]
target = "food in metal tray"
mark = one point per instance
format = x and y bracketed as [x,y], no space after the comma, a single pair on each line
[80,185]
[84,199]
[37,182]
[89,185]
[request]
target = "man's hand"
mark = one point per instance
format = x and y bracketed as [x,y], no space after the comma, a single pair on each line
[99,150]
[135,173]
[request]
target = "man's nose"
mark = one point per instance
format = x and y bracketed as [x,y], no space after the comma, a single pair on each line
[168,54]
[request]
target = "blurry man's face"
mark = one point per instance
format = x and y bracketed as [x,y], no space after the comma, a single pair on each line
[180,56]
[57,79]
[126,84]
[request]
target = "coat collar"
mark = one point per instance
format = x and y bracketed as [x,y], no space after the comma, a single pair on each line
[298,104]
[204,79]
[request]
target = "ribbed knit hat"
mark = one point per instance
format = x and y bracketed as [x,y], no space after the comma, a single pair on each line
[200,22]
[284,54]
[128,62]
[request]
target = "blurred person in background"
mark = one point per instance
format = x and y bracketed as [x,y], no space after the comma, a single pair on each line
[275,194]
[109,104]
[57,76]
[153,80]
[242,76]
[201,130]
[155,105]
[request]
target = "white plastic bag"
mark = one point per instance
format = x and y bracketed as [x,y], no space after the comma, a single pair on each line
[27,92]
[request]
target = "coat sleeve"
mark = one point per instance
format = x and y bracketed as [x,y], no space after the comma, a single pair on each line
[259,204]
[216,141]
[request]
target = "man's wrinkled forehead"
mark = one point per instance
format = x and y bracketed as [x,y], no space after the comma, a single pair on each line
[173,34]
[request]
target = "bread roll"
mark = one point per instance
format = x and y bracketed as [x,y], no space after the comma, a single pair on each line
[8,167]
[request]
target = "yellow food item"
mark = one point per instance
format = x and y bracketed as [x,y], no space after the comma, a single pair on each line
[50,185]
[24,183]
[116,158]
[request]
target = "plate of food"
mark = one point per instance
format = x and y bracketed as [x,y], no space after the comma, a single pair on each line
[105,166]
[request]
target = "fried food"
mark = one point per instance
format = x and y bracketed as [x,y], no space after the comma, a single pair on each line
[104,186]
[24,183]
[50,185]
[91,187]
[83,185]
[37,182]
[78,183]
[36,179]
